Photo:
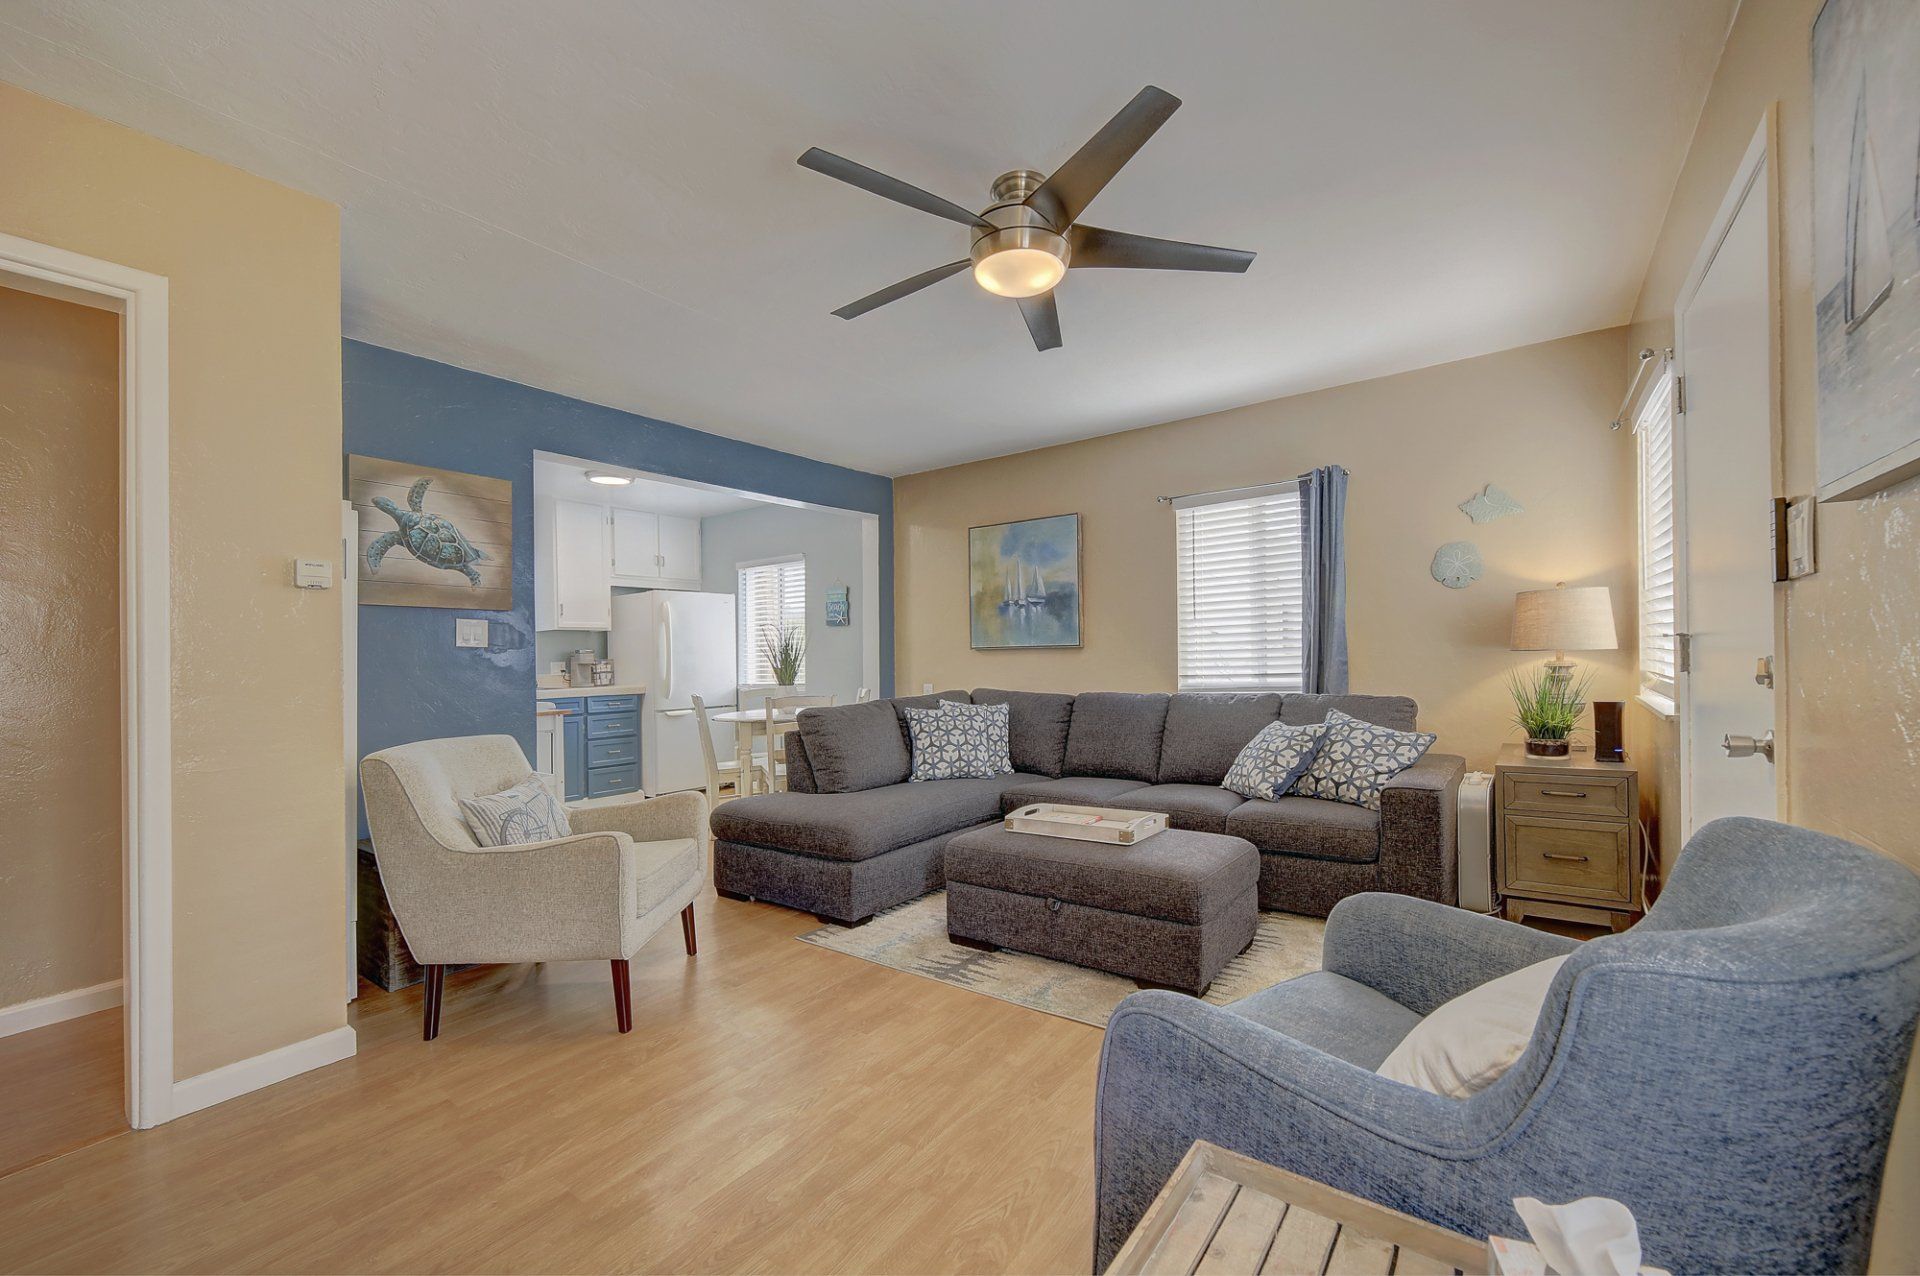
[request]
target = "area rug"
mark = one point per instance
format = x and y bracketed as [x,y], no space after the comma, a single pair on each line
[913,938]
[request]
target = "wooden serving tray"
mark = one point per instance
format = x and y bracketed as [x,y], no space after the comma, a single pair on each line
[1086,823]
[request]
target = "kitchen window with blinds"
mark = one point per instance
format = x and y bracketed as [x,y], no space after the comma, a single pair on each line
[1653,431]
[1242,583]
[770,594]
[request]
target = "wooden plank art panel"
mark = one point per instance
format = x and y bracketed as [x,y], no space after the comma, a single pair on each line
[431,537]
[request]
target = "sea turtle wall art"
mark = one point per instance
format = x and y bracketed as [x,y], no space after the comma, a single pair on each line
[432,538]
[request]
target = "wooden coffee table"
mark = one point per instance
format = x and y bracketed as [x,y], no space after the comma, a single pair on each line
[1226,1213]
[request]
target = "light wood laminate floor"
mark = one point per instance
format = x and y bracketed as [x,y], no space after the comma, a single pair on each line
[777,1108]
[61,1087]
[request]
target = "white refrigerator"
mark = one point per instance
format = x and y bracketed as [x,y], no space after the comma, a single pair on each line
[680,644]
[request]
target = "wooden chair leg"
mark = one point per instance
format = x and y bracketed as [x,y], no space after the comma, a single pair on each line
[430,1004]
[623,995]
[686,930]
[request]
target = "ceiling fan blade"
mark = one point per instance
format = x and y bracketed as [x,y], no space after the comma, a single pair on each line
[893,292]
[1043,320]
[877,183]
[1065,195]
[1115,249]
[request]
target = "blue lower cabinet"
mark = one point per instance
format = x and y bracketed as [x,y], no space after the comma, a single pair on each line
[604,781]
[612,763]
[613,751]
[573,744]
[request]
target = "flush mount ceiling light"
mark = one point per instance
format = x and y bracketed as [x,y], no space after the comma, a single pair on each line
[605,479]
[1026,240]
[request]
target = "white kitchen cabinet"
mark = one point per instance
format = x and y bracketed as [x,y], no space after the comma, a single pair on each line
[654,550]
[680,548]
[636,546]
[571,585]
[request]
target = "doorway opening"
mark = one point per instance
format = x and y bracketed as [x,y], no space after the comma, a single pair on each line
[87,685]
[668,590]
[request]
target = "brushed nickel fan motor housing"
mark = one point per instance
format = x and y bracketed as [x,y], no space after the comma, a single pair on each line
[1014,224]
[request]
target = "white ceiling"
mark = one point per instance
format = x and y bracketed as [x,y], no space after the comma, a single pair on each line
[566,479]
[600,198]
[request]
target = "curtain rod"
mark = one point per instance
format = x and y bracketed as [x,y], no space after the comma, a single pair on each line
[1223,491]
[1646,356]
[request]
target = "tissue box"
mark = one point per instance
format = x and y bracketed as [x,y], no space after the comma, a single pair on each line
[1509,1257]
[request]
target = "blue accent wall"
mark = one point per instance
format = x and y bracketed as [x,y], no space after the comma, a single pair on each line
[414,683]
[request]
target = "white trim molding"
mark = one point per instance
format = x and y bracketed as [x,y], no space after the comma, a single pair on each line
[262,1070]
[146,708]
[60,1007]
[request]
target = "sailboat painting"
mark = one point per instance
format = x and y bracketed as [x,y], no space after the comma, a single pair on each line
[1024,583]
[1866,243]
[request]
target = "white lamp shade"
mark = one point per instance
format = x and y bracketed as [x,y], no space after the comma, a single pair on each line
[1562,619]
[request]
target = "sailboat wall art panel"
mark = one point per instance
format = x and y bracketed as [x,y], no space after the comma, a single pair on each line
[1866,243]
[1024,583]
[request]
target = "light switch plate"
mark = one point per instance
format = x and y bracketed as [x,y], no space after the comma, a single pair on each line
[312,573]
[469,633]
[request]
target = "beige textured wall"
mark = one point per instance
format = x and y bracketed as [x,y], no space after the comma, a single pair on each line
[259,884]
[59,646]
[1533,420]
[1847,638]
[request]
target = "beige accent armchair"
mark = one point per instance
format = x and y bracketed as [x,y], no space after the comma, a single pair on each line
[601,893]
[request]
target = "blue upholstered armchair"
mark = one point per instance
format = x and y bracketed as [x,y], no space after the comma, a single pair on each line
[1729,1067]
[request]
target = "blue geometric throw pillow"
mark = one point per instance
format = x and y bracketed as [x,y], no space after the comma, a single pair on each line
[960,741]
[1356,759]
[1272,760]
[525,813]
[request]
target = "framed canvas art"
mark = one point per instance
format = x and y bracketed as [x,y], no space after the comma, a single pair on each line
[1866,243]
[1023,583]
[432,538]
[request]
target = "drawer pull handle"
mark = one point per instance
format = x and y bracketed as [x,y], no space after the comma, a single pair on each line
[1561,855]
[1579,793]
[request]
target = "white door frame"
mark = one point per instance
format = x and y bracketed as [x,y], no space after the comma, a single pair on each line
[146,715]
[1754,176]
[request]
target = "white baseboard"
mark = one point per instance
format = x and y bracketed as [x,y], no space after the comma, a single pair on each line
[263,1070]
[60,1007]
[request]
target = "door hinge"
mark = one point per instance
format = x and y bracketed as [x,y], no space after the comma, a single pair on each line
[1680,396]
[1683,653]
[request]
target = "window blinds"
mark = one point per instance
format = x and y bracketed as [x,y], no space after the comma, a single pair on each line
[1658,566]
[1242,581]
[770,593]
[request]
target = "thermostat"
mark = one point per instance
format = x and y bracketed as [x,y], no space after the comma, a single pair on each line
[312,573]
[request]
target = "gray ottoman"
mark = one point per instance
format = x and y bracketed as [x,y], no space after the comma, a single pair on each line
[1168,912]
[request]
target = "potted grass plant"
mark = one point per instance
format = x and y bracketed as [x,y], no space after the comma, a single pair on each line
[785,647]
[1547,705]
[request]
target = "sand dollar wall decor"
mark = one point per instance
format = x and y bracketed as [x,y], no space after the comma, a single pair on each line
[1457,564]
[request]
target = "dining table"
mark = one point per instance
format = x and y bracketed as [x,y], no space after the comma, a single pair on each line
[751,722]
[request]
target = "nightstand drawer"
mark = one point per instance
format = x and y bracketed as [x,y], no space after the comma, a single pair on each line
[1557,796]
[1569,859]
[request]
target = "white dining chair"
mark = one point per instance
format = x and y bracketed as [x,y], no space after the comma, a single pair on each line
[777,730]
[725,775]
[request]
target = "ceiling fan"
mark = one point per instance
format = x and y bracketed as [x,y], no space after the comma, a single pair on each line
[1025,241]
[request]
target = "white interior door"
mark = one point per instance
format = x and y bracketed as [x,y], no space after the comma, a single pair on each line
[1724,330]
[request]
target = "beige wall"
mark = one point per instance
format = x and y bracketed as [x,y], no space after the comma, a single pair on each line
[59,646]
[1848,637]
[259,882]
[1532,420]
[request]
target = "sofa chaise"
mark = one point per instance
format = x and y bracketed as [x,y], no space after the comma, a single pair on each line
[852,836]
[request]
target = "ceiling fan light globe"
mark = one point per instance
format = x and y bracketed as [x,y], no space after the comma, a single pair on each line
[1019,272]
[1019,261]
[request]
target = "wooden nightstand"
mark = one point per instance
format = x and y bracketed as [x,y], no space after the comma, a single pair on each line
[1568,836]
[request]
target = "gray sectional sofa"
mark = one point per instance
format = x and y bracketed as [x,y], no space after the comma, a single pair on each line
[853,837]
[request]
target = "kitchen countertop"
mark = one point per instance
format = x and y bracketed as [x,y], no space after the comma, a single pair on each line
[617,689]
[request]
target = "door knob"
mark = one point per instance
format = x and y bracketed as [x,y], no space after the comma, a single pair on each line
[1745,746]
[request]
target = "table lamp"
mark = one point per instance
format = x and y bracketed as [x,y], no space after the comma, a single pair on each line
[1562,620]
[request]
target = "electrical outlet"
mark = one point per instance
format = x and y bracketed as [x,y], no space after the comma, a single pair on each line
[469,633]
[926,688]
